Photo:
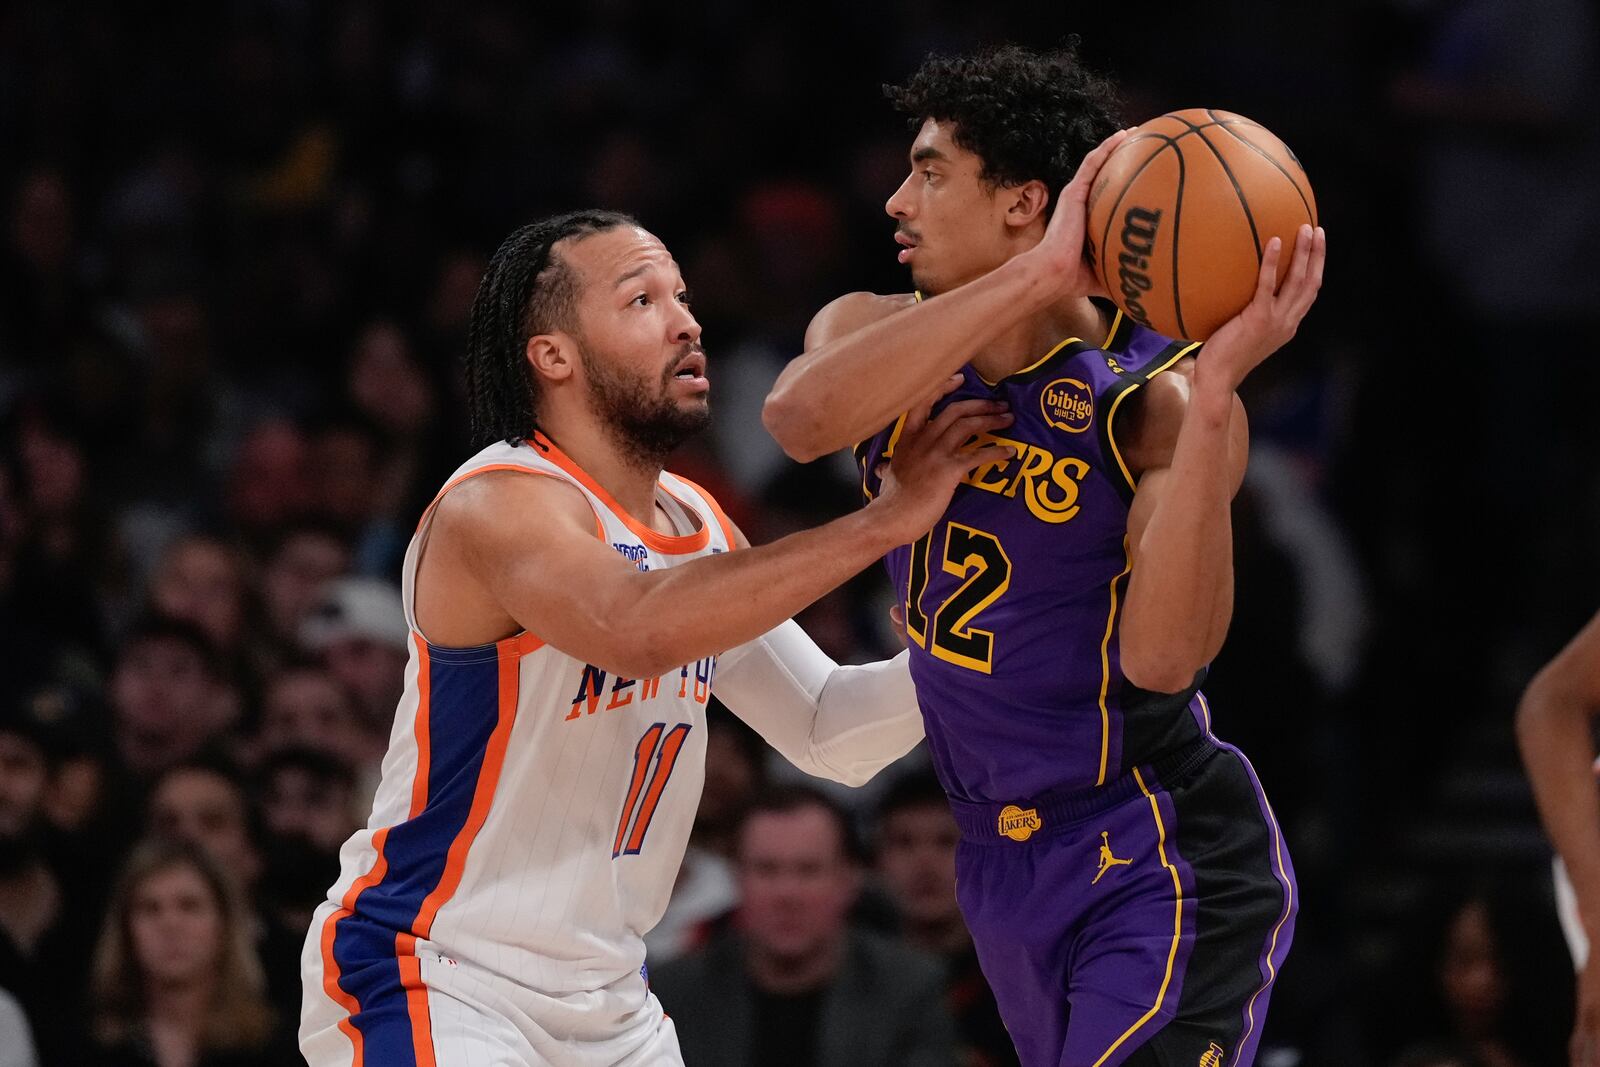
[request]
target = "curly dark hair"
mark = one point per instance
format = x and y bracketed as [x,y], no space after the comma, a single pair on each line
[527,290]
[1027,115]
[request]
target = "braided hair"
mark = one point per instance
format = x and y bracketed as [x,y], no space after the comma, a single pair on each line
[527,290]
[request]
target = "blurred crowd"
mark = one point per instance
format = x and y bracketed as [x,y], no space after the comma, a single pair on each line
[240,242]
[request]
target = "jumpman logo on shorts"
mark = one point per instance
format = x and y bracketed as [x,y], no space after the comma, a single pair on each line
[1107,860]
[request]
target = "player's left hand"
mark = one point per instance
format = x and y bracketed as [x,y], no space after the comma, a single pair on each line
[1271,318]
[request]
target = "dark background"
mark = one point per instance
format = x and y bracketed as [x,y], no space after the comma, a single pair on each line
[241,239]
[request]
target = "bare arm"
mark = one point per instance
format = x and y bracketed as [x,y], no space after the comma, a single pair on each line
[1180,536]
[1553,723]
[528,544]
[1553,730]
[818,406]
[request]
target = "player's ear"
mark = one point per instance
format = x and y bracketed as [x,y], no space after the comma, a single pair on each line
[552,355]
[1026,204]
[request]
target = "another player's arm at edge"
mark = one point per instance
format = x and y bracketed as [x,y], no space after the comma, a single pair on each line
[528,543]
[843,723]
[1554,720]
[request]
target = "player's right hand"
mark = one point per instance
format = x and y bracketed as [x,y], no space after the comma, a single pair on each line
[930,459]
[1063,248]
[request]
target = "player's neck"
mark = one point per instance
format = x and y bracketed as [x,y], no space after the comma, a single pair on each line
[590,446]
[1025,343]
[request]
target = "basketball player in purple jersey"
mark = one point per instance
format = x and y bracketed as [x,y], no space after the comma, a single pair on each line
[1127,886]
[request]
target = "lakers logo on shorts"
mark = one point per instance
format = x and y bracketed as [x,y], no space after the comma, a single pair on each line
[1212,1057]
[1068,405]
[1018,824]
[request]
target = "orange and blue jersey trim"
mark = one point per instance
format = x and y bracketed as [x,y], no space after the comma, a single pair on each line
[716,510]
[466,709]
[661,542]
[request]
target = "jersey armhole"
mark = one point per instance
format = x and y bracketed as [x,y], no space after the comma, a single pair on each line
[868,458]
[716,509]
[1127,383]
[526,641]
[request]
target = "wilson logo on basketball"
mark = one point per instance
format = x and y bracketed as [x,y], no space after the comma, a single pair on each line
[1017,824]
[1068,405]
[1139,228]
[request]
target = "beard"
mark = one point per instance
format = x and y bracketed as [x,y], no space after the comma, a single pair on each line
[641,415]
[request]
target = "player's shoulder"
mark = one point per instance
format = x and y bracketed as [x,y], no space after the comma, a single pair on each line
[851,312]
[510,501]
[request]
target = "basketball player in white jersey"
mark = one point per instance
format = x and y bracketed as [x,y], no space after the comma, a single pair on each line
[1555,724]
[572,609]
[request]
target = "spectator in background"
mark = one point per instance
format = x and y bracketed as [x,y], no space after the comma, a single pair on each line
[1489,980]
[386,383]
[52,544]
[706,890]
[168,702]
[304,559]
[269,485]
[794,985]
[306,707]
[359,628]
[350,492]
[201,580]
[916,860]
[735,773]
[176,980]
[308,806]
[207,803]
[45,917]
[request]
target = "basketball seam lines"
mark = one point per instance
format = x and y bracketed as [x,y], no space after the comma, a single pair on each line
[1177,220]
[1111,216]
[1249,217]
[1311,212]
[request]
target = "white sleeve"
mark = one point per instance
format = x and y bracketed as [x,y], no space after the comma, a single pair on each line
[842,723]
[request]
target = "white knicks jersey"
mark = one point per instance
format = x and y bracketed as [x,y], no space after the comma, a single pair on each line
[532,815]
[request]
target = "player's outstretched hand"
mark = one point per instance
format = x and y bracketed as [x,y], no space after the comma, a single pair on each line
[1272,316]
[1063,246]
[930,458]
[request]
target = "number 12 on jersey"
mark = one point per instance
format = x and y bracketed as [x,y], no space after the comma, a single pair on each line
[978,558]
[665,752]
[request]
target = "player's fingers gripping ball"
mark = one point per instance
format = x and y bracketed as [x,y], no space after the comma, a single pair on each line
[1181,213]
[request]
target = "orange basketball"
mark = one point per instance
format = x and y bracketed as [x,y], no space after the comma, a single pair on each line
[1181,213]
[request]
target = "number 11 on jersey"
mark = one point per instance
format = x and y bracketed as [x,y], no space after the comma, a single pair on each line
[665,752]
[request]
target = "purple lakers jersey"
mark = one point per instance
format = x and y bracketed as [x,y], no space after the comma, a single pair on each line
[1013,601]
